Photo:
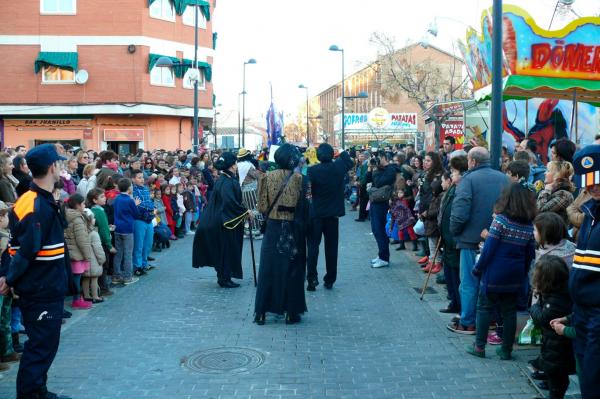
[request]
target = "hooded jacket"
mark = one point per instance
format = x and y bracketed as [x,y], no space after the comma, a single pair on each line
[77,237]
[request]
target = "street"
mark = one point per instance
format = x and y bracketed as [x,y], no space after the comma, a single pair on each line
[176,334]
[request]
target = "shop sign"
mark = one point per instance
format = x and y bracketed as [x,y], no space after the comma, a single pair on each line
[378,120]
[530,50]
[50,123]
[453,128]
[123,134]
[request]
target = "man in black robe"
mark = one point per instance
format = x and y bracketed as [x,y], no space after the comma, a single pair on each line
[219,237]
[327,189]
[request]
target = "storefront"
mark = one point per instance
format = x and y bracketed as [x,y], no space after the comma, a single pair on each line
[76,131]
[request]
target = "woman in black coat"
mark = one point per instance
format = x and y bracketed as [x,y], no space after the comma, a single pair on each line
[220,234]
[21,172]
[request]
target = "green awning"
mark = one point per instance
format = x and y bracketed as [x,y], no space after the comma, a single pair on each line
[153,59]
[521,87]
[187,64]
[180,6]
[62,60]
[214,40]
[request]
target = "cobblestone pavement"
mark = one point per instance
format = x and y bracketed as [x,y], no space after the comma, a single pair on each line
[369,337]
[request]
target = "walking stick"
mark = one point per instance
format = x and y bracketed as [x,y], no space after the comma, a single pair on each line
[252,250]
[437,250]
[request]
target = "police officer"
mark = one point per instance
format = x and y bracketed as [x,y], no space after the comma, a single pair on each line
[584,279]
[38,273]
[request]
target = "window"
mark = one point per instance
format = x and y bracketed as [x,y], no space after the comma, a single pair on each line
[189,16]
[163,9]
[53,7]
[188,84]
[162,76]
[54,74]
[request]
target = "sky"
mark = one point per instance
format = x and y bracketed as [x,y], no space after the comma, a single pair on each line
[289,39]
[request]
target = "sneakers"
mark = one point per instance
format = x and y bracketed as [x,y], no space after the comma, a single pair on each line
[379,263]
[374,260]
[472,349]
[460,329]
[190,233]
[494,339]
[131,280]
[80,304]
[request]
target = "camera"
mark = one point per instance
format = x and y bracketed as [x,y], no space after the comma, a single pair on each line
[374,161]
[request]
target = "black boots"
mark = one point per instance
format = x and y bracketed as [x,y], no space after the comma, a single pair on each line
[16,344]
[401,247]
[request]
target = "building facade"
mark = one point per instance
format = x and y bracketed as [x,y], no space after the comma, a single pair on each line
[387,115]
[83,73]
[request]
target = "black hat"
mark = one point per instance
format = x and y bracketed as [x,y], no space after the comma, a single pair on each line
[587,166]
[43,155]
[287,156]
[325,153]
[226,161]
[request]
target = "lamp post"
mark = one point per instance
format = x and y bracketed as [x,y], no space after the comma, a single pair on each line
[336,48]
[250,61]
[239,121]
[307,113]
[496,137]
[362,94]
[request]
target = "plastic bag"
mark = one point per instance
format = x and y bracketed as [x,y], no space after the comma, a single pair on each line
[419,228]
[530,335]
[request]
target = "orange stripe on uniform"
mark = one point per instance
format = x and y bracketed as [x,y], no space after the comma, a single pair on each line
[25,204]
[589,179]
[12,252]
[586,259]
[51,252]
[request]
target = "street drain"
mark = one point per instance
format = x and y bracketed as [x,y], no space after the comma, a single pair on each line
[224,360]
[428,290]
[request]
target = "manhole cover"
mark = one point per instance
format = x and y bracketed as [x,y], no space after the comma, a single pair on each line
[225,360]
[428,290]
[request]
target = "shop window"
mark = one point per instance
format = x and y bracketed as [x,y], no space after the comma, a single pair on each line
[189,17]
[188,84]
[162,76]
[61,7]
[163,9]
[54,74]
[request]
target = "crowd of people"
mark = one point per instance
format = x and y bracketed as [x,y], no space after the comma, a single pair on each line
[522,238]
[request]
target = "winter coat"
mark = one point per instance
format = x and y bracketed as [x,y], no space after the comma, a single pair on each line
[189,201]
[86,184]
[430,218]
[24,181]
[8,194]
[472,208]
[556,200]
[161,210]
[425,194]
[575,213]
[450,255]
[103,226]
[76,236]
[557,351]
[401,214]
[564,249]
[69,184]
[98,255]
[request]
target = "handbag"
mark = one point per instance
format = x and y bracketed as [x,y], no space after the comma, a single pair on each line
[263,225]
[381,194]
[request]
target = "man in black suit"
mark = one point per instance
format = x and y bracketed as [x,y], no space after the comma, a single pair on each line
[327,188]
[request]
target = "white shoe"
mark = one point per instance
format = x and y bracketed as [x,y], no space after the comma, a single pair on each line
[375,260]
[380,263]
[190,233]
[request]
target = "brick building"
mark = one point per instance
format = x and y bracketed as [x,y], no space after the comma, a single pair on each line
[82,72]
[400,117]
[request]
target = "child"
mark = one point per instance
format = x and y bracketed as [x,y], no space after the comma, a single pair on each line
[189,202]
[551,235]
[7,352]
[90,276]
[404,221]
[96,200]
[550,281]
[166,198]
[177,214]
[517,170]
[77,239]
[126,211]
[143,230]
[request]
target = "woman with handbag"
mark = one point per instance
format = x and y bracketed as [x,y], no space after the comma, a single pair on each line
[282,199]
[382,176]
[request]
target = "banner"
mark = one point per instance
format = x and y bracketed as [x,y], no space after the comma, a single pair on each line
[274,126]
[378,120]
[453,128]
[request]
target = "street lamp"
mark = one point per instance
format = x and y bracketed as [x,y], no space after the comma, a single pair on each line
[336,48]
[250,61]
[215,123]
[307,113]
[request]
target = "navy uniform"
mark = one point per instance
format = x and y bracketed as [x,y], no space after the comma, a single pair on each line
[38,275]
[584,281]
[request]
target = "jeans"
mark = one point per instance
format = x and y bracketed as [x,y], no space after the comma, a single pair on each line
[327,227]
[6,347]
[378,212]
[485,311]
[77,284]
[124,256]
[42,321]
[189,217]
[143,234]
[469,287]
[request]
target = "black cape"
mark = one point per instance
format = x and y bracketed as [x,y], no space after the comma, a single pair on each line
[220,234]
